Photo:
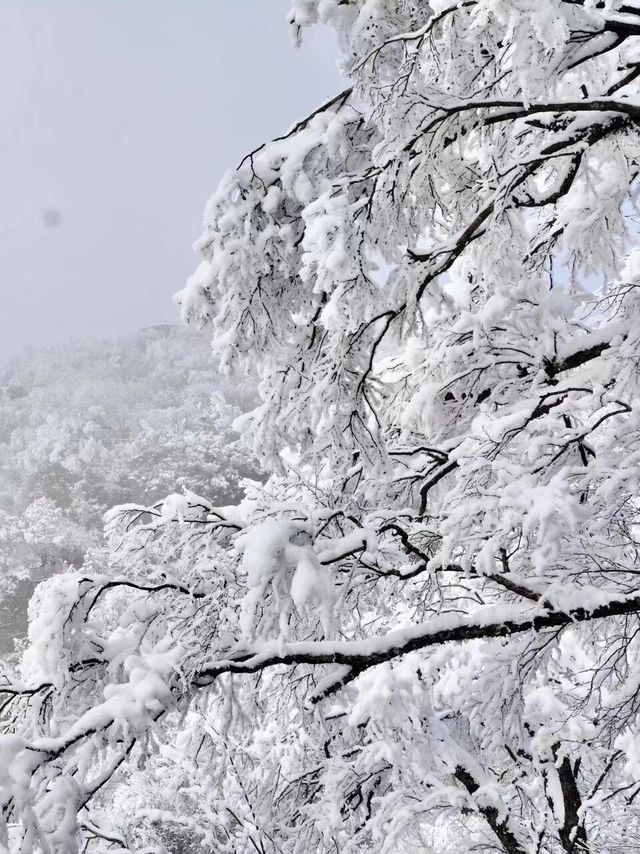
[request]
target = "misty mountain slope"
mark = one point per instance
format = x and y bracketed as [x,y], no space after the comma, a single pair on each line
[88,424]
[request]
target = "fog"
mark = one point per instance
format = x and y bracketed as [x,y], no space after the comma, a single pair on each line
[118,119]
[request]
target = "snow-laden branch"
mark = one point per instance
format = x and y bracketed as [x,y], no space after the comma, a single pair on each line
[359,655]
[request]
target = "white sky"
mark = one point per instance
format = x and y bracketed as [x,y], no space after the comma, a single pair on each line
[117,119]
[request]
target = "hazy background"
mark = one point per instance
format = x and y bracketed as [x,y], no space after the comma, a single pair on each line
[118,117]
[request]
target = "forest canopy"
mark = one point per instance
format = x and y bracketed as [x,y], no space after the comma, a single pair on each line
[86,425]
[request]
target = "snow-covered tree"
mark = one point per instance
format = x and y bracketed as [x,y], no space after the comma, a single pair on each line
[421,633]
[86,425]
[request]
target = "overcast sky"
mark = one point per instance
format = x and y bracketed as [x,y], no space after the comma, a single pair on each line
[118,119]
